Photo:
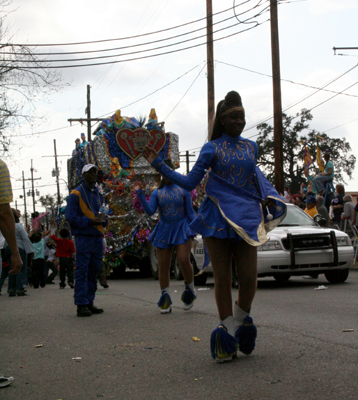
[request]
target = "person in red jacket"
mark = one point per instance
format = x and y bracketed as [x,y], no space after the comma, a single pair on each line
[65,249]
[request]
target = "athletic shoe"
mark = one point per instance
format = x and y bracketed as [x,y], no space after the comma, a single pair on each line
[71,285]
[94,309]
[5,381]
[165,303]
[246,335]
[83,311]
[62,285]
[223,346]
[188,298]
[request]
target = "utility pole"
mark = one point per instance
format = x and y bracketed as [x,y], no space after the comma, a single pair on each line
[23,188]
[32,184]
[187,155]
[57,173]
[30,192]
[87,120]
[210,61]
[277,106]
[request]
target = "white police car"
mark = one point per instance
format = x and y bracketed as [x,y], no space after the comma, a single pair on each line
[298,246]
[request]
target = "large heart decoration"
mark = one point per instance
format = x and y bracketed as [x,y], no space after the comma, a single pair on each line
[133,141]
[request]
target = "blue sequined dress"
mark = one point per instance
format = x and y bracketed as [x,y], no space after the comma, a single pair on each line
[176,213]
[235,188]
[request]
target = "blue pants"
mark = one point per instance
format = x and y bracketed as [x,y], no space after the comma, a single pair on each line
[15,281]
[89,250]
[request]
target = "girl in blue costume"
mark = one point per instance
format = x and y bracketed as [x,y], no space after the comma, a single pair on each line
[172,231]
[240,207]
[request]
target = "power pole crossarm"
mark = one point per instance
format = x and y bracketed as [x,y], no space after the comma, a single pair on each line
[187,155]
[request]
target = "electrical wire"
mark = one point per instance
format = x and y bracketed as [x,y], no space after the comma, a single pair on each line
[135,52]
[288,80]
[116,39]
[186,92]
[111,112]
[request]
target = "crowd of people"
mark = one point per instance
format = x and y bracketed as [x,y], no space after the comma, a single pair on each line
[240,207]
[337,211]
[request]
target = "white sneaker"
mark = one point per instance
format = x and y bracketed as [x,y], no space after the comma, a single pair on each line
[5,381]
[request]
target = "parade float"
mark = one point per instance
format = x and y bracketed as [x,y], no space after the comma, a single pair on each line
[117,152]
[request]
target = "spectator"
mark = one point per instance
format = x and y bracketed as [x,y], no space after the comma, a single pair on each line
[8,229]
[311,209]
[327,175]
[321,208]
[310,184]
[65,250]
[355,215]
[338,204]
[38,262]
[25,248]
[348,214]
[50,261]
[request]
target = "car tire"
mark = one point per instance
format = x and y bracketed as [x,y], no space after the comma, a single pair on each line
[338,276]
[118,272]
[282,277]
[177,272]
[153,261]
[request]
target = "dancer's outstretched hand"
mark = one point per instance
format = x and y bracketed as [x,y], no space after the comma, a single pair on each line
[149,153]
[137,185]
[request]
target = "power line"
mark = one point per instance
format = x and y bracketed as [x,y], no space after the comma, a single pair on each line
[111,112]
[186,92]
[288,80]
[130,53]
[111,49]
[117,39]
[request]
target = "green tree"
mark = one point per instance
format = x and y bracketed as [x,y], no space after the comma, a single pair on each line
[296,135]
[20,86]
[50,201]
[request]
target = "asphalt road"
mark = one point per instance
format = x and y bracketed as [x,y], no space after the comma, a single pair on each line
[131,351]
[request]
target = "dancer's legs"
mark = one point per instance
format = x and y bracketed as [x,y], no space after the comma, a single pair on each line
[245,257]
[183,257]
[164,263]
[220,252]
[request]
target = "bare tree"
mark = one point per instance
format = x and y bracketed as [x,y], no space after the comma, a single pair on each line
[20,85]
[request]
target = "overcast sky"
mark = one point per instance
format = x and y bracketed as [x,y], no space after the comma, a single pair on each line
[308,31]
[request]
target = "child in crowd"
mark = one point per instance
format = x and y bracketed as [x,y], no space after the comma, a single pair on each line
[38,262]
[65,249]
[50,260]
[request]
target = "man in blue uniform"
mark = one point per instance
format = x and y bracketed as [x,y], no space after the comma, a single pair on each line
[82,212]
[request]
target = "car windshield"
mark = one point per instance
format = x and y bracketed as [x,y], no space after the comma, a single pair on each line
[296,216]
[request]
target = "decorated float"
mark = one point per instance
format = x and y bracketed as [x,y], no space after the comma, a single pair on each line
[117,152]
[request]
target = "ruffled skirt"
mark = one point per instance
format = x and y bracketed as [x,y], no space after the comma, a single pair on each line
[166,235]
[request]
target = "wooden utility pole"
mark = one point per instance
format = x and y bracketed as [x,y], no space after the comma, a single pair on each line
[23,188]
[210,61]
[57,172]
[187,155]
[87,120]
[277,106]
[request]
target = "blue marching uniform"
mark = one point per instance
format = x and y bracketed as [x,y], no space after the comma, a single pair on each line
[83,205]
[235,188]
[176,213]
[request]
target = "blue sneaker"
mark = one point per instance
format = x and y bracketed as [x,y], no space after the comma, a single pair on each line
[246,335]
[223,346]
[165,303]
[188,298]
